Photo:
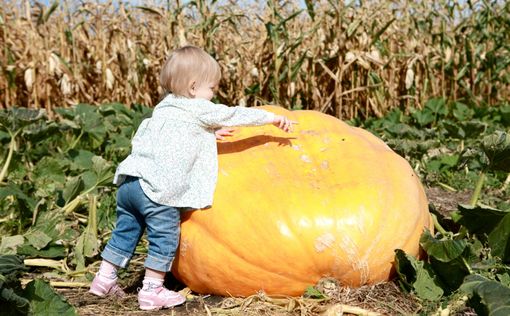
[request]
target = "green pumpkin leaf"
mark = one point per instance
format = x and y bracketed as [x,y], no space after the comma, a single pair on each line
[423,117]
[87,244]
[11,300]
[443,250]
[81,160]
[12,303]
[11,264]
[15,119]
[68,124]
[91,122]
[52,223]
[13,190]
[38,132]
[116,115]
[479,219]
[72,188]
[49,169]
[451,273]
[89,180]
[417,276]
[437,106]
[505,115]
[488,297]
[103,170]
[51,251]
[462,112]
[120,142]
[101,174]
[4,136]
[499,239]
[9,244]
[68,113]
[473,128]
[46,301]
[497,148]
[504,278]
[454,129]
[37,239]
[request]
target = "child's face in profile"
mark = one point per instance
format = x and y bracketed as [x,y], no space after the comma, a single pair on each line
[206,90]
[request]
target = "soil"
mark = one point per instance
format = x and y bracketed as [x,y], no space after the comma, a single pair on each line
[445,201]
[384,298]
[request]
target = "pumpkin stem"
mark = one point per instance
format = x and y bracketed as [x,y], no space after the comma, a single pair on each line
[438,226]
[466,264]
[12,147]
[478,189]
[506,183]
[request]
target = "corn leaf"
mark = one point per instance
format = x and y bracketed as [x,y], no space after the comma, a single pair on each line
[50,11]
[310,9]
[378,34]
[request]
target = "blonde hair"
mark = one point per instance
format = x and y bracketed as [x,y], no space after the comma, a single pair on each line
[186,65]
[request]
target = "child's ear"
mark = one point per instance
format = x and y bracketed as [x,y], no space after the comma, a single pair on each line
[192,91]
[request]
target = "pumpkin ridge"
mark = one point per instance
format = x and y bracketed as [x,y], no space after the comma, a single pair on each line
[244,259]
[302,244]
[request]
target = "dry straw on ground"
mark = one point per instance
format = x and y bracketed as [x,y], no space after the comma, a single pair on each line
[376,300]
[351,60]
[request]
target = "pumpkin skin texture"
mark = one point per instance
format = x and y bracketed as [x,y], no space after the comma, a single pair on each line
[326,200]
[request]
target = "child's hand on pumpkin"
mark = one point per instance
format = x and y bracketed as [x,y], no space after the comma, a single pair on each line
[283,123]
[223,132]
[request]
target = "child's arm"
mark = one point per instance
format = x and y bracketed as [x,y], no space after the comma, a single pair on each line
[219,115]
[279,121]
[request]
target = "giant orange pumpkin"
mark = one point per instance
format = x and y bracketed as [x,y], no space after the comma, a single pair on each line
[327,200]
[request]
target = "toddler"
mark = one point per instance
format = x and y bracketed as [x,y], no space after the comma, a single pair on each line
[172,166]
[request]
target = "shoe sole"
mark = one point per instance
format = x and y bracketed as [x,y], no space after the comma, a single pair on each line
[97,293]
[152,308]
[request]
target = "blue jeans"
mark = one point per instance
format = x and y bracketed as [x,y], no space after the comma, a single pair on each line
[135,212]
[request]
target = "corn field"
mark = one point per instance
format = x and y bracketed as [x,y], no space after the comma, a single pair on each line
[350,60]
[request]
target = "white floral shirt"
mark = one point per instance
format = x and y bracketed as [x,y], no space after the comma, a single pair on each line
[174,152]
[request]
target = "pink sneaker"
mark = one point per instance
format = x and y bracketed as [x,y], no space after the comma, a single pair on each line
[159,298]
[101,287]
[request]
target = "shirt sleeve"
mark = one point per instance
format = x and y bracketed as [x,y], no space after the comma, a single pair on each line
[217,115]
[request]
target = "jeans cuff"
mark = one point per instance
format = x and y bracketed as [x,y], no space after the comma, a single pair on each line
[158,263]
[116,256]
